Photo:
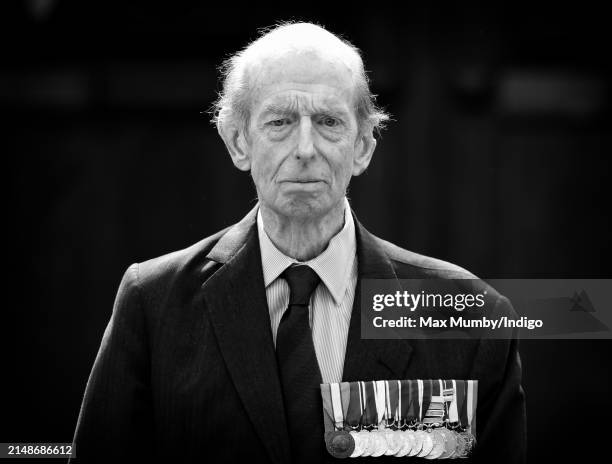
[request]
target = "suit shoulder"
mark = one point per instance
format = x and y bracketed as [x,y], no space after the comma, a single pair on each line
[409,264]
[428,266]
[186,261]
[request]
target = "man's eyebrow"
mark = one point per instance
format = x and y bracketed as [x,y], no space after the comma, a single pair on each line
[278,109]
[289,108]
[333,110]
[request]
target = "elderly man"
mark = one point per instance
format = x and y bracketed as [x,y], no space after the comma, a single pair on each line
[217,351]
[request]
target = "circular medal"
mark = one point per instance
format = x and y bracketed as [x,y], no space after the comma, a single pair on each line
[427,443]
[380,444]
[461,446]
[470,442]
[418,443]
[394,441]
[358,444]
[368,443]
[339,443]
[450,443]
[439,444]
[407,437]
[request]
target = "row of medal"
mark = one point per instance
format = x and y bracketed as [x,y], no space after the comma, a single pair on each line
[432,419]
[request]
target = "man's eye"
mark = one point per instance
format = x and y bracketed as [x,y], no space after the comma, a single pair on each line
[278,122]
[330,122]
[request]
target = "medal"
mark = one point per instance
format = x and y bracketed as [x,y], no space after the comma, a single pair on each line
[359,445]
[339,442]
[380,444]
[418,436]
[368,443]
[403,403]
[379,393]
[453,415]
[390,431]
[470,442]
[354,416]
[410,444]
[369,408]
[439,444]
[393,435]
[424,400]
[426,441]
[460,448]
[394,441]
[437,438]
[465,439]
[417,439]
[433,419]
[450,442]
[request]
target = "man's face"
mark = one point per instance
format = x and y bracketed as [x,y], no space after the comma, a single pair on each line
[302,140]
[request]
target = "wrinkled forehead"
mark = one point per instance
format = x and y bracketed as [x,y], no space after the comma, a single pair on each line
[295,101]
[302,71]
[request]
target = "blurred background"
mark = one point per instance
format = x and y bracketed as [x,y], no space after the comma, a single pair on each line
[498,160]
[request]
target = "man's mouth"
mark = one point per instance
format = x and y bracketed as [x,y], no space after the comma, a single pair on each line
[303,181]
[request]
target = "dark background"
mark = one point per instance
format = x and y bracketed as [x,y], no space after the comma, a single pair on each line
[498,160]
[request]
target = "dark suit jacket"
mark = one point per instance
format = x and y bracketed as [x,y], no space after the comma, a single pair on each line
[187,371]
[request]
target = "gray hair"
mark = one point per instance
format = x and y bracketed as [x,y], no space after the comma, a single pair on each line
[233,103]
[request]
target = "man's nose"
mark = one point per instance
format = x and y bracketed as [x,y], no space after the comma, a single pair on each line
[305,147]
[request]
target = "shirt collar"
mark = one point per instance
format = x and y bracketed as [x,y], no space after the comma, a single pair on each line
[333,266]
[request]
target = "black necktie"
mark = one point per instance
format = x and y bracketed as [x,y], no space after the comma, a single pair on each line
[298,368]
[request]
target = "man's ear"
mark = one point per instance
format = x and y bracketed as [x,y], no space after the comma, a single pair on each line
[236,144]
[364,149]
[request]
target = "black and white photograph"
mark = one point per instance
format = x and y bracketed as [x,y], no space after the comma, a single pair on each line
[303,233]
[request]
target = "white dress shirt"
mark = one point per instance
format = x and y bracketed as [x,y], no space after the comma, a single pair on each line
[332,302]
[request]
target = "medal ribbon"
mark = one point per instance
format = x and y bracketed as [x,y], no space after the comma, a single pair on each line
[420,406]
[336,401]
[448,390]
[431,410]
[327,406]
[404,406]
[380,393]
[355,407]
[436,388]
[370,402]
[462,402]
[399,414]
[427,393]
[362,402]
[413,399]
[453,415]
[392,387]
[345,395]
[471,404]
[442,384]
[401,411]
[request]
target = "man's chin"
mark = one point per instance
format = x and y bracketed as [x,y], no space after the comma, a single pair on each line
[304,205]
[303,188]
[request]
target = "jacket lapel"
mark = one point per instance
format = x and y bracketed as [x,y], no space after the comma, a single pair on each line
[235,297]
[368,359]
